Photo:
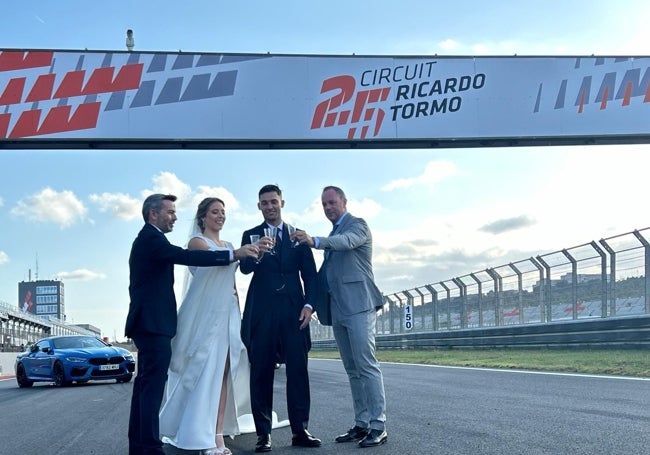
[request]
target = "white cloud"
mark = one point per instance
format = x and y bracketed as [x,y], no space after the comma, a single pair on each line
[2,202]
[81,275]
[222,193]
[4,258]
[434,172]
[365,208]
[169,183]
[448,45]
[119,205]
[60,207]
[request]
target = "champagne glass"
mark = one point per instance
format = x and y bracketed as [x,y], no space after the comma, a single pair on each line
[291,229]
[271,232]
[255,240]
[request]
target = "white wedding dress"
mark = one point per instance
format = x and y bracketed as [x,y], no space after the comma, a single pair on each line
[209,322]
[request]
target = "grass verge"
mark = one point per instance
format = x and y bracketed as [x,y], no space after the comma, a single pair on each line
[632,362]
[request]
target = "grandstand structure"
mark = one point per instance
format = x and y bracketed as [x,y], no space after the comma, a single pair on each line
[19,329]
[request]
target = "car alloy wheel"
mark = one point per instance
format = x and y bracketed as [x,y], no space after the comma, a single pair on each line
[21,377]
[59,375]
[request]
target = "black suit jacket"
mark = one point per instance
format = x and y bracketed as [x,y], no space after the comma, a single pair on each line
[152,310]
[275,275]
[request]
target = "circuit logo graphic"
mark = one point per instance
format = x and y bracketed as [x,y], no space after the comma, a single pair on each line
[363,116]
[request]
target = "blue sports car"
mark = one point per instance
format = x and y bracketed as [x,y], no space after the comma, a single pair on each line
[80,358]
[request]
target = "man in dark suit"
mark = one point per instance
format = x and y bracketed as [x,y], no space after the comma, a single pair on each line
[348,300]
[151,322]
[275,323]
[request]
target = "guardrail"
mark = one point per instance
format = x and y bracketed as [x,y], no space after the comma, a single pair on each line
[630,332]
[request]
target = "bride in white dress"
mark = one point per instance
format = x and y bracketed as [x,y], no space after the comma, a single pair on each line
[208,378]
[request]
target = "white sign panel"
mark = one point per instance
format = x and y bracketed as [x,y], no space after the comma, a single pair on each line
[408,317]
[133,96]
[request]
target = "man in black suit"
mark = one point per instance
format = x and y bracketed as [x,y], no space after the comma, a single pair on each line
[275,324]
[151,322]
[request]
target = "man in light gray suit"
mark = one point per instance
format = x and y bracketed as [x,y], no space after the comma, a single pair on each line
[348,300]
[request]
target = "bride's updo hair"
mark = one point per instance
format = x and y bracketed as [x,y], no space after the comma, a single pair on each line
[202,210]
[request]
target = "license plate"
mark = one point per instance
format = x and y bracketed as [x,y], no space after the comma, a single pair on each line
[110,366]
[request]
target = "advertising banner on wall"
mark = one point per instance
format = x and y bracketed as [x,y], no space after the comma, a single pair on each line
[139,97]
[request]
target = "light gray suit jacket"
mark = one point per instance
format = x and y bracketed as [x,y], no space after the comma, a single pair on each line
[347,270]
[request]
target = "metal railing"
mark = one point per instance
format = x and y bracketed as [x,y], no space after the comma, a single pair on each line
[598,279]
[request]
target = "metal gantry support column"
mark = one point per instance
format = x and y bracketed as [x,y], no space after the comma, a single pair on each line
[574,283]
[434,306]
[479,287]
[463,299]
[603,278]
[520,293]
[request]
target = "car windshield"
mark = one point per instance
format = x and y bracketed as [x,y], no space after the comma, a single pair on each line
[75,342]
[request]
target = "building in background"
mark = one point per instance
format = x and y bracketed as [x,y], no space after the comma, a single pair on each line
[44,298]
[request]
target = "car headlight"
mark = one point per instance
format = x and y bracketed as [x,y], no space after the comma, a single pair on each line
[128,356]
[75,359]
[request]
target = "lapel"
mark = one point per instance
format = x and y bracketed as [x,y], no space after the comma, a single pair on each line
[338,229]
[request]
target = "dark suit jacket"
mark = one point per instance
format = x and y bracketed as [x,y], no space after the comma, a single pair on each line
[282,271]
[152,310]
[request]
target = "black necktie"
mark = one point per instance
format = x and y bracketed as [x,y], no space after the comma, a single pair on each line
[336,226]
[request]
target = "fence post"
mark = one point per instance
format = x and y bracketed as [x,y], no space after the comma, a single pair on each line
[463,301]
[448,291]
[547,289]
[423,320]
[434,306]
[574,283]
[603,278]
[646,247]
[520,293]
[479,287]
[498,291]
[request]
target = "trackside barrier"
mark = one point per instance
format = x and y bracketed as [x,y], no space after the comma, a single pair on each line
[632,332]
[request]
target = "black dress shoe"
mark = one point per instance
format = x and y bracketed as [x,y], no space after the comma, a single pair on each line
[263,443]
[305,439]
[374,438]
[354,434]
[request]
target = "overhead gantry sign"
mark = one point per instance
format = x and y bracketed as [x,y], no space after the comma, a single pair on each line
[104,99]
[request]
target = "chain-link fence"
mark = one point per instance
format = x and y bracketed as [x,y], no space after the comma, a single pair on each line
[598,279]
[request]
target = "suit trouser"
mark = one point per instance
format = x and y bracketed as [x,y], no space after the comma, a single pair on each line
[154,355]
[279,332]
[355,337]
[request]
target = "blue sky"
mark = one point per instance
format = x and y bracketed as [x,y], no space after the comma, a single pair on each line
[432,212]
